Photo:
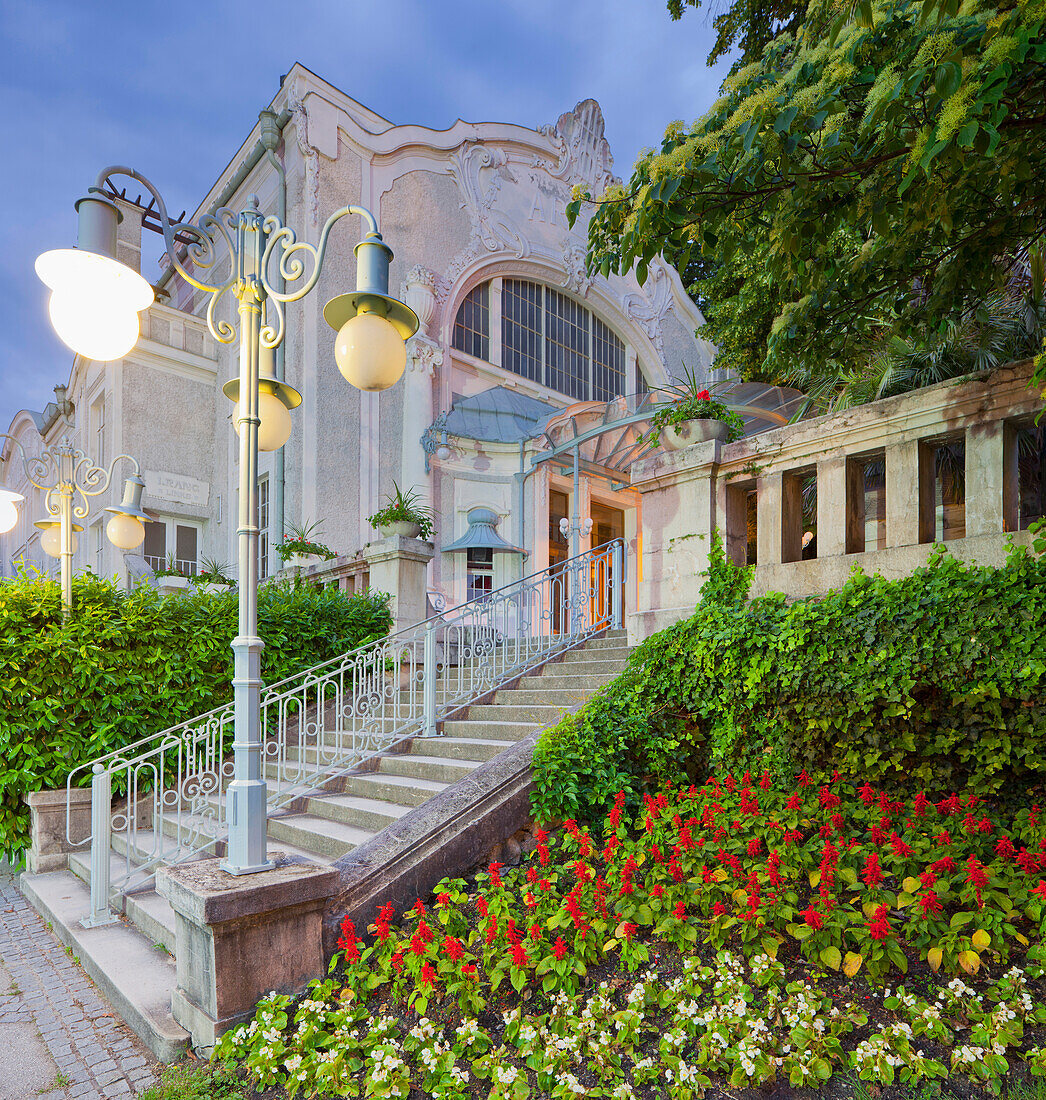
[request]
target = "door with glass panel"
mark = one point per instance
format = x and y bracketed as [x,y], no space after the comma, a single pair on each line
[607,524]
[558,552]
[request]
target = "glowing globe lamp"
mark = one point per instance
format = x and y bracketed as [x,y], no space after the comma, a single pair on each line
[126,529]
[51,537]
[275,400]
[8,509]
[370,353]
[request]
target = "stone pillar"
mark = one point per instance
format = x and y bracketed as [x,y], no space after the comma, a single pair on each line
[51,845]
[399,566]
[239,936]
[905,491]
[833,507]
[769,502]
[986,463]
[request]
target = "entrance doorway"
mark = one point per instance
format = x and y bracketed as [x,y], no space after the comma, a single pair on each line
[558,551]
[607,524]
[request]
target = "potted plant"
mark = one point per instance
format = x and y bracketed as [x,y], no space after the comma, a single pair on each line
[404,514]
[213,576]
[300,546]
[172,577]
[695,416]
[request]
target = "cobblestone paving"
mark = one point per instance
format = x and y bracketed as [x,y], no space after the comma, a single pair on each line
[97,1055]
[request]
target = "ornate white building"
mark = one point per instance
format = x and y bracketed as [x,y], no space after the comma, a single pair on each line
[519,350]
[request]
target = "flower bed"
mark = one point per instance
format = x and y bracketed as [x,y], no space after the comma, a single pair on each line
[731,935]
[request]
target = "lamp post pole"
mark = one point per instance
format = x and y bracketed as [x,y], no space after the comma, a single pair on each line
[369,349]
[63,472]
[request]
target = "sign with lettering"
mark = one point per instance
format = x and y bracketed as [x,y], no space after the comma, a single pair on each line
[177,488]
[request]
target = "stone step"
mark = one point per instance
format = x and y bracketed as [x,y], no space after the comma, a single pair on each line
[489,731]
[363,813]
[604,670]
[407,791]
[568,698]
[433,768]
[538,715]
[134,976]
[320,836]
[603,654]
[566,681]
[459,748]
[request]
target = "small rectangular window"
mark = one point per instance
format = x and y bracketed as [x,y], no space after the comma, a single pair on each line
[949,467]
[155,547]
[479,568]
[866,503]
[263,528]
[741,529]
[521,328]
[1031,475]
[472,325]
[799,516]
[185,549]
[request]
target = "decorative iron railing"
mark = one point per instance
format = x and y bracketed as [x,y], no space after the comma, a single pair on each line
[325,721]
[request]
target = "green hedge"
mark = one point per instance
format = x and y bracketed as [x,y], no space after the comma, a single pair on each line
[936,680]
[132,663]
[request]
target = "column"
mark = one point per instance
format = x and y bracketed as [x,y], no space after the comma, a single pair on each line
[834,506]
[909,493]
[986,469]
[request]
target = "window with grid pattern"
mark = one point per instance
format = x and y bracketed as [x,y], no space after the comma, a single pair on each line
[608,362]
[263,528]
[521,328]
[472,325]
[547,337]
[566,345]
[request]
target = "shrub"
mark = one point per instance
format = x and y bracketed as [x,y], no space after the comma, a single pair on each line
[938,678]
[127,664]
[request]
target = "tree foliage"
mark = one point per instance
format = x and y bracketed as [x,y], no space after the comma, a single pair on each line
[863,178]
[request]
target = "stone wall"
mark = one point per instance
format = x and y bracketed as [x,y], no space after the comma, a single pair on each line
[868,487]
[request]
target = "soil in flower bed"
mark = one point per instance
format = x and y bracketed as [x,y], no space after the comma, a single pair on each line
[730,941]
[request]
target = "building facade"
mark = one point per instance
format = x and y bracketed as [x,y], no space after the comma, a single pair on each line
[518,347]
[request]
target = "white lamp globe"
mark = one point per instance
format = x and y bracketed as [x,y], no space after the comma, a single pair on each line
[51,541]
[8,509]
[94,301]
[125,532]
[275,424]
[370,353]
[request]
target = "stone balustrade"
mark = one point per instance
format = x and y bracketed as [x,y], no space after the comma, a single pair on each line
[877,486]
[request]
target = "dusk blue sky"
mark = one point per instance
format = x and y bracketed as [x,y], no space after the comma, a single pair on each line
[173,90]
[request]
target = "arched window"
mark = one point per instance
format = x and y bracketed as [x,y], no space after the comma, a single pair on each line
[547,337]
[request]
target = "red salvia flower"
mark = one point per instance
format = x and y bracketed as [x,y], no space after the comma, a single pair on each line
[828,799]
[930,903]
[397,961]
[443,899]
[454,948]
[812,917]
[559,948]
[492,931]
[511,932]
[428,975]
[1005,849]
[804,779]
[495,878]
[481,905]
[753,847]
[657,890]
[879,928]
[764,782]
[347,941]
[921,804]
[976,876]
[943,838]
[944,866]
[793,803]
[419,907]
[628,930]
[545,885]
[532,874]
[928,878]
[535,932]
[873,874]
[867,795]
[719,909]
[680,911]
[1028,862]
[530,901]
[519,955]
[469,970]
[1040,890]
[900,849]
[424,931]
[417,945]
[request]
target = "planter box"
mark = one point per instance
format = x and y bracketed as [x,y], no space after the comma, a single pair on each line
[404,528]
[213,586]
[168,586]
[302,561]
[677,437]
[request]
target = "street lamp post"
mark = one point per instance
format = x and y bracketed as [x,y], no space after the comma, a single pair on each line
[64,473]
[370,351]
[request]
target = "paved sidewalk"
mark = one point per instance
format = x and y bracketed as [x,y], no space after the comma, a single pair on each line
[59,1038]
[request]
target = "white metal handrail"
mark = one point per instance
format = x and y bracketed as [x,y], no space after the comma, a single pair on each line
[319,724]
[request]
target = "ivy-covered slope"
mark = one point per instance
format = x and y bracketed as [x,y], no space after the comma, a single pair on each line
[127,664]
[938,679]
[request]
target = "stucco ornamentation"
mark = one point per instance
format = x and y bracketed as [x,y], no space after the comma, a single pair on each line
[424,356]
[578,279]
[649,307]
[578,137]
[419,292]
[296,106]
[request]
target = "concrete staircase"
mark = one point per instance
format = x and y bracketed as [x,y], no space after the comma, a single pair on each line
[342,813]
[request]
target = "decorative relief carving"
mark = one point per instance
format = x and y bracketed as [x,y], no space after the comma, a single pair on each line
[583,150]
[578,279]
[419,292]
[649,306]
[424,356]
[296,106]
